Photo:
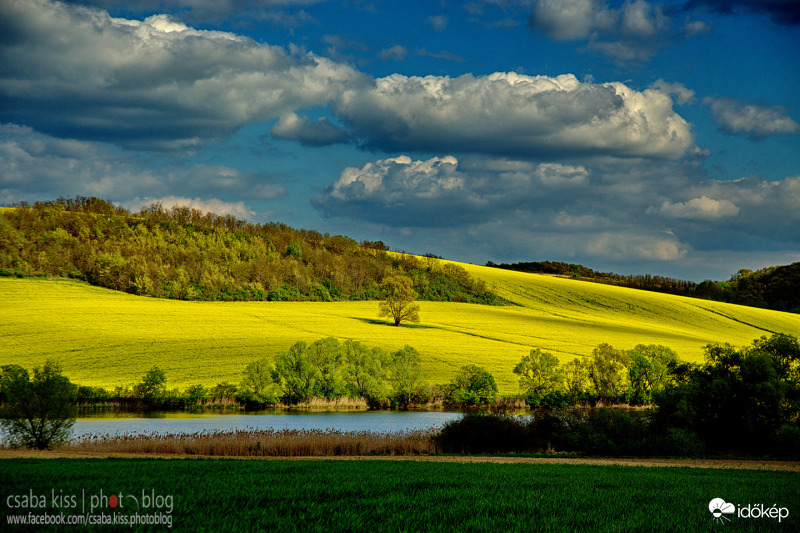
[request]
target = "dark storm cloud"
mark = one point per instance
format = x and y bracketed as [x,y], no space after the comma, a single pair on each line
[784,12]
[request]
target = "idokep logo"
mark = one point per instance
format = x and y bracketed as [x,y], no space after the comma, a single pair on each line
[720,508]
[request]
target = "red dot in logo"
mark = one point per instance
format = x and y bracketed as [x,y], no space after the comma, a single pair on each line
[113,501]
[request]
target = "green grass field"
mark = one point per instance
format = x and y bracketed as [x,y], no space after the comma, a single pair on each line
[378,496]
[107,338]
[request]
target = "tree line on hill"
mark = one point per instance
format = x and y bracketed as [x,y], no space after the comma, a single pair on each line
[743,400]
[182,253]
[775,287]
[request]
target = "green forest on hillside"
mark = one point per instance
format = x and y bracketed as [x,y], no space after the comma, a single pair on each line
[775,287]
[182,253]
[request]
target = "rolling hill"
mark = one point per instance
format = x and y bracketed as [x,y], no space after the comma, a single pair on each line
[107,338]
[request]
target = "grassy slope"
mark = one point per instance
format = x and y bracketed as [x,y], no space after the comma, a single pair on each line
[108,338]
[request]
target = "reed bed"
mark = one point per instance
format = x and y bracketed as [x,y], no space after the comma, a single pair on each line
[345,403]
[262,443]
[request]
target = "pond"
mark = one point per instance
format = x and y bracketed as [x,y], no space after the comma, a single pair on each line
[162,423]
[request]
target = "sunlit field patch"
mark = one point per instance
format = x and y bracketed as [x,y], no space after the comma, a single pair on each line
[106,338]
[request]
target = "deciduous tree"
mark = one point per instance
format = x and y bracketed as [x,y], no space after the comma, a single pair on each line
[40,412]
[473,385]
[400,303]
[365,372]
[295,374]
[153,387]
[257,384]
[649,370]
[539,375]
[607,371]
[405,374]
[576,378]
[325,356]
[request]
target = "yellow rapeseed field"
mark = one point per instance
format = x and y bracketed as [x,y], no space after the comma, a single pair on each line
[106,338]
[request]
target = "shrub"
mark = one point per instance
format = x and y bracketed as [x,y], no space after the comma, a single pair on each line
[477,433]
[605,431]
[552,400]
[545,428]
[92,395]
[196,394]
[473,385]
[787,441]
[285,293]
[677,442]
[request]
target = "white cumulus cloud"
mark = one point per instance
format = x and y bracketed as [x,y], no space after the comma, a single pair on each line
[511,114]
[700,208]
[682,94]
[758,122]
[645,246]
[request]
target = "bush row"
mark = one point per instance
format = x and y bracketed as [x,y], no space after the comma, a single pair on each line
[593,431]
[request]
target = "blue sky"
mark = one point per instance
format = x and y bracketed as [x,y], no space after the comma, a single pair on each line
[633,136]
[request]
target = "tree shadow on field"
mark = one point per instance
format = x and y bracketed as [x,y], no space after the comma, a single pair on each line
[379,322]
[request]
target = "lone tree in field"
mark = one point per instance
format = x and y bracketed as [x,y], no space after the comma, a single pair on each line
[400,300]
[37,413]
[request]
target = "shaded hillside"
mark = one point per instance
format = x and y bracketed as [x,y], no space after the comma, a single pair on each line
[181,253]
[776,288]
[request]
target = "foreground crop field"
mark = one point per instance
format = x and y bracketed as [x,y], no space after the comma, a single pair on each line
[302,495]
[107,338]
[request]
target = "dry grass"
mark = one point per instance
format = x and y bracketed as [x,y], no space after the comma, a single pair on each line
[261,443]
